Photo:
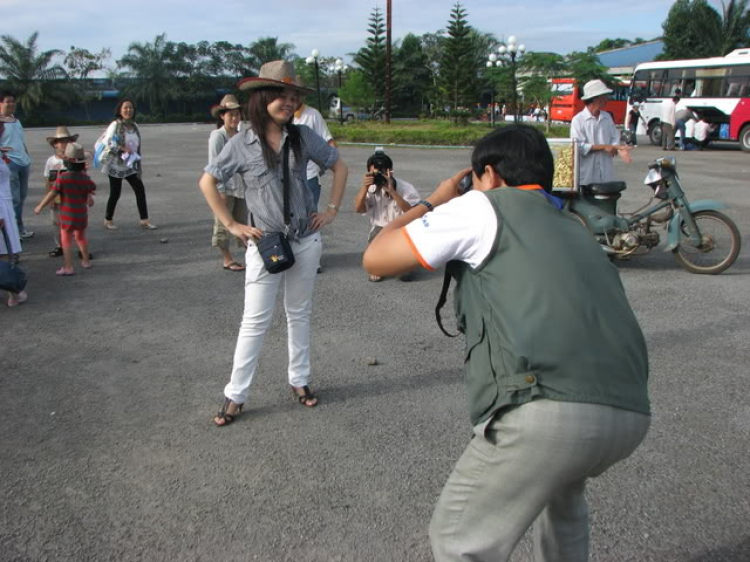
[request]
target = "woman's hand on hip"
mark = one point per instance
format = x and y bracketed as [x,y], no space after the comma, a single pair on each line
[245,232]
[319,220]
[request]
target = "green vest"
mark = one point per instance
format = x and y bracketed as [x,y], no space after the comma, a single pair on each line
[546,316]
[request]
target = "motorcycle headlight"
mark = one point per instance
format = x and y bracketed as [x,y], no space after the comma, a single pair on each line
[653,177]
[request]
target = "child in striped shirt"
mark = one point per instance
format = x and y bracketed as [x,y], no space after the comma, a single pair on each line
[76,191]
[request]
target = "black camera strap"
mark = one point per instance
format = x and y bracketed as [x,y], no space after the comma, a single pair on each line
[441,302]
[285,181]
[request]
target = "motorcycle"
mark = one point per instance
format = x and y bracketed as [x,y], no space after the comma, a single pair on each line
[702,239]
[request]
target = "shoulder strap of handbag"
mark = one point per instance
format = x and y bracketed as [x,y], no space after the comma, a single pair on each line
[285,172]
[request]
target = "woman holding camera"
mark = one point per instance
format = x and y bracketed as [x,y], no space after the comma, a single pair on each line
[258,154]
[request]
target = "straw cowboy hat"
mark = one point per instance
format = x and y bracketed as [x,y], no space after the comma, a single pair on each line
[276,74]
[74,152]
[227,103]
[62,133]
[593,89]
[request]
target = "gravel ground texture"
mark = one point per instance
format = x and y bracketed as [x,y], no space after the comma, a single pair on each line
[109,380]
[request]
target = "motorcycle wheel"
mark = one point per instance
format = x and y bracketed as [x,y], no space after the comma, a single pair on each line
[720,246]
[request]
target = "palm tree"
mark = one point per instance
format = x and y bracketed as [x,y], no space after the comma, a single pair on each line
[152,71]
[32,76]
[267,49]
[734,28]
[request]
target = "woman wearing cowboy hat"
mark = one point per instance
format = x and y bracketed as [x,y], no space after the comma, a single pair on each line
[232,192]
[76,191]
[52,167]
[256,153]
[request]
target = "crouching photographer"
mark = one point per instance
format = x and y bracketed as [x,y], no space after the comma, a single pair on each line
[383,197]
[533,288]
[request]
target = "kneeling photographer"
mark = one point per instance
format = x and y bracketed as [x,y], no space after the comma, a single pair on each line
[556,366]
[382,197]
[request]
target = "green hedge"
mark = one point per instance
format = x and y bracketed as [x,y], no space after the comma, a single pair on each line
[431,133]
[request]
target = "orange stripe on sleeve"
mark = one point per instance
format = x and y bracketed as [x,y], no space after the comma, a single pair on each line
[416,253]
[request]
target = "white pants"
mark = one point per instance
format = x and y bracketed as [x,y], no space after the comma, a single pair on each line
[260,297]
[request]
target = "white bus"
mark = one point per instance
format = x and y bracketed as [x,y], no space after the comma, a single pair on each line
[716,88]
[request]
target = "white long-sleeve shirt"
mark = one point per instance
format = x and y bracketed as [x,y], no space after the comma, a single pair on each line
[587,130]
[668,112]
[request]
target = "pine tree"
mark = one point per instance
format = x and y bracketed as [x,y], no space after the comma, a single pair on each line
[458,72]
[371,57]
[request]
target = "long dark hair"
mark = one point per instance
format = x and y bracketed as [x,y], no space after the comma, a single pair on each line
[257,114]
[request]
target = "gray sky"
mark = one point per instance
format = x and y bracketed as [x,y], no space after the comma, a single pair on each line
[335,27]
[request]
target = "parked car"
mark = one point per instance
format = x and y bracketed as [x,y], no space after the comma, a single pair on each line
[350,114]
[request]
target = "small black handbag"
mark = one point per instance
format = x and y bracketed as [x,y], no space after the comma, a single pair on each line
[12,277]
[274,247]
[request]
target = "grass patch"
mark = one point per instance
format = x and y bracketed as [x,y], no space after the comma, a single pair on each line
[431,133]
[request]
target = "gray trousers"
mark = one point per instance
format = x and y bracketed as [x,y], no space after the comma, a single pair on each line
[530,465]
[221,236]
[667,136]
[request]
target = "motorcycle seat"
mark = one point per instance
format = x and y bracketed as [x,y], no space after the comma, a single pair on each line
[607,188]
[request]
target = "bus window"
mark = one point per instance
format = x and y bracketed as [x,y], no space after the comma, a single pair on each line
[673,83]
[736,86]
[688,88]
[655,83]
[708,87]
[639,86]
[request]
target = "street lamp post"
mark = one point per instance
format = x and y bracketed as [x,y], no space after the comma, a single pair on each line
[340,68]
[511,50]
[492,61]
[313,59]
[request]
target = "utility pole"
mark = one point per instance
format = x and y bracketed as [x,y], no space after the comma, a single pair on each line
[388,62]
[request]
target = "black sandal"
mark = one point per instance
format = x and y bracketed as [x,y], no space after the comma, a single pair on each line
[306,396]
[226,417]
[56,253]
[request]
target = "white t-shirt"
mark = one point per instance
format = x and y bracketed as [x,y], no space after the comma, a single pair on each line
[381,209]
[313,119]
[463,229]
[700,133]
[53,163]
[668,112]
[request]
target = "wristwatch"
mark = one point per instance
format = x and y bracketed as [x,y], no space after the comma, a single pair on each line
[426,204]
[334,207]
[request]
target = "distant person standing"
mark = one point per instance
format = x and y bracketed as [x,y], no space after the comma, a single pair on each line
[231,191]
[634,115]
[668,121]
[14,145]
[595,132]
[122,160]
[306,115]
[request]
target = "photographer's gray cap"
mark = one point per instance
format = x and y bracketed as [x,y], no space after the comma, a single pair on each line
[593,89]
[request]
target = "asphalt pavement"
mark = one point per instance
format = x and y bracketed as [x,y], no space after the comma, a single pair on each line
[109,380]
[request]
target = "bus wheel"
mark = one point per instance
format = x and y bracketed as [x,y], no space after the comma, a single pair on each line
[654,134]
[745,138]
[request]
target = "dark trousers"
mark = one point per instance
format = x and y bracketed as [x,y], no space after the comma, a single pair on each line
[115,188]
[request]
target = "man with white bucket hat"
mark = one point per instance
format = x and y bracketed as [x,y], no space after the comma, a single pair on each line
[597,136]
